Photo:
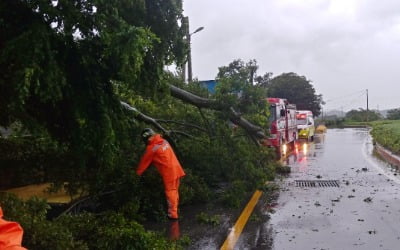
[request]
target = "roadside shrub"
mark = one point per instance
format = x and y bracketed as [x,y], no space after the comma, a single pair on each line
[193,189]
[107,230]
[151,196]
[387,133]
[39,233]
[112,230]
[234,195]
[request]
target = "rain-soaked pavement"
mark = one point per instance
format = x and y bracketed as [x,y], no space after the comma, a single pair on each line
[362,213]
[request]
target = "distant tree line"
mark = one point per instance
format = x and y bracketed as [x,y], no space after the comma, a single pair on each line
[393,114]
[363,115]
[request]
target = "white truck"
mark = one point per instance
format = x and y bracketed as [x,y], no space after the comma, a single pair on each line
[305,124]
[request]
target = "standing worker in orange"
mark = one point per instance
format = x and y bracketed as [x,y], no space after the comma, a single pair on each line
[159,153]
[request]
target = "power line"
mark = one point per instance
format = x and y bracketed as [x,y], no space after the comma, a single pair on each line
[357,99]
[345,96]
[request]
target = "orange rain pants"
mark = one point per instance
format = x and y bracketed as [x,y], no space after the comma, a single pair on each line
[161,154]
[172,194]
[10,234]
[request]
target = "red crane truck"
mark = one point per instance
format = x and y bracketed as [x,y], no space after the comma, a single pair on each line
[283,126]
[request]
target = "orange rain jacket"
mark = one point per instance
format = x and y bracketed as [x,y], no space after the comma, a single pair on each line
[160,153]
[10,234]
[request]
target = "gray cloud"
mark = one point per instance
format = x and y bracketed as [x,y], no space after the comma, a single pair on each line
[343,46]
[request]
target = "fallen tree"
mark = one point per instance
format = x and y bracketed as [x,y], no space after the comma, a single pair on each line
[255,132]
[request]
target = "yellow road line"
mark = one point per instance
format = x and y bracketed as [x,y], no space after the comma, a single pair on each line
[241,222]
[244,216]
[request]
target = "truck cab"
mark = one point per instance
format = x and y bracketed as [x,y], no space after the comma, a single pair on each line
[305,124]
[282,125]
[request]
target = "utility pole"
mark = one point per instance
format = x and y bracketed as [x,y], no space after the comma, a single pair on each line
[188,39]
[367,106]
[185,25]
[189,53]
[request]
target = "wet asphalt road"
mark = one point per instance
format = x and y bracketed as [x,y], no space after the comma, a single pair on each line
[362,213]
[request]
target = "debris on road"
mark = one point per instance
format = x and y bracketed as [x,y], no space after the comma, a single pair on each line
[281,169]
[368,199]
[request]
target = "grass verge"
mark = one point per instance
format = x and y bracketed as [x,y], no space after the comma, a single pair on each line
[387,134]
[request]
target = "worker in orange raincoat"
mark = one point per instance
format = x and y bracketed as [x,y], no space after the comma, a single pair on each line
[159,153]
[10,234]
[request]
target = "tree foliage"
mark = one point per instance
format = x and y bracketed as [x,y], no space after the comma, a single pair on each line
[297,90]
[238,88]
[363,115]
[65,64]
[393,114]
[239,71]
[244,73]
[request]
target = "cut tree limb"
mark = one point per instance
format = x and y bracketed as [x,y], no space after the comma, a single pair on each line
[147,119]
[255,132]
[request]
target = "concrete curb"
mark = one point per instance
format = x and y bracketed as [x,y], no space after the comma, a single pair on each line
[388,155]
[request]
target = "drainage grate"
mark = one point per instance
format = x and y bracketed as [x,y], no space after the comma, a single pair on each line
[317,183]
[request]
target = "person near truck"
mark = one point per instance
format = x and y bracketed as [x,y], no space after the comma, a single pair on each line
[160,153]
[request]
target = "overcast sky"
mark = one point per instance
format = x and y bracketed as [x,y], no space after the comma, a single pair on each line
[343,46]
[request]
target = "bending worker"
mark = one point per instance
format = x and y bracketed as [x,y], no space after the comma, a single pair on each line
[159,153]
